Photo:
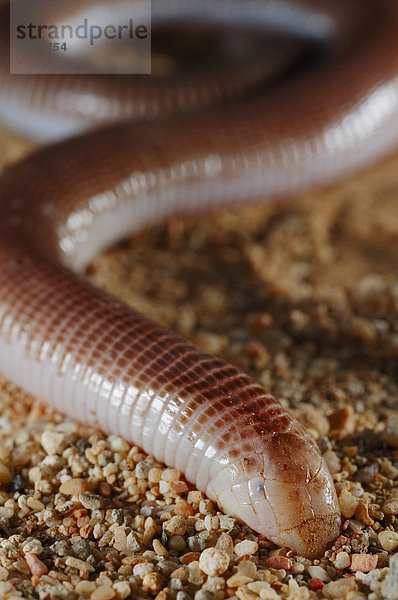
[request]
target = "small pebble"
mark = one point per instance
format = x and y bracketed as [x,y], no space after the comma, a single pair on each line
[214,561]
[91,501]
[118,444]
[225,543]
[182,573]
[143,467]
[184,509]
[32,546]
[17,484]
[6,512]
[247,567]
[246,547]
[207,507]
[342,422]
[318,573]
[122,589]
[362,513]
[363,562]
[74,487]
[339,589]
[204,595]
[79,565]
[85,587]
[280,562]
[104,489]
[342,560]
[53,442]
[266,593]
[390,507]
[176,526]
[315,584]
[177,542]
[171,474]
[120,539]
[166,594]
[257,586]
[226,522]
[388,540]
[367,474]
[103,592]
[238,579]
[348,503]
[36,566]
[196,576]
[189,557]
[159,548]
[152,582]
[82,549]
[164,487]
[181,595]
[142,569]
[154,475]
[35,504]
[332,461]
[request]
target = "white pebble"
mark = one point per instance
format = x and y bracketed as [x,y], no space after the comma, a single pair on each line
[248,568]
[318,572]
[142,569]
[348,503]
[246,547]
[118,444]
[342,560]
[53,442]
[213,561]
[388,540]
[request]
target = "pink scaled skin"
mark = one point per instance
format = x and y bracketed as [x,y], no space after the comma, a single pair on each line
[87,354]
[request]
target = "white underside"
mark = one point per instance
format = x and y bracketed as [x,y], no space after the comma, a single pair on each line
[38,124]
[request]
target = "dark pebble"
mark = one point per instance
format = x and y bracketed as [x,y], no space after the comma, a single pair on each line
[82,549]
[18,484]
[82,445]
